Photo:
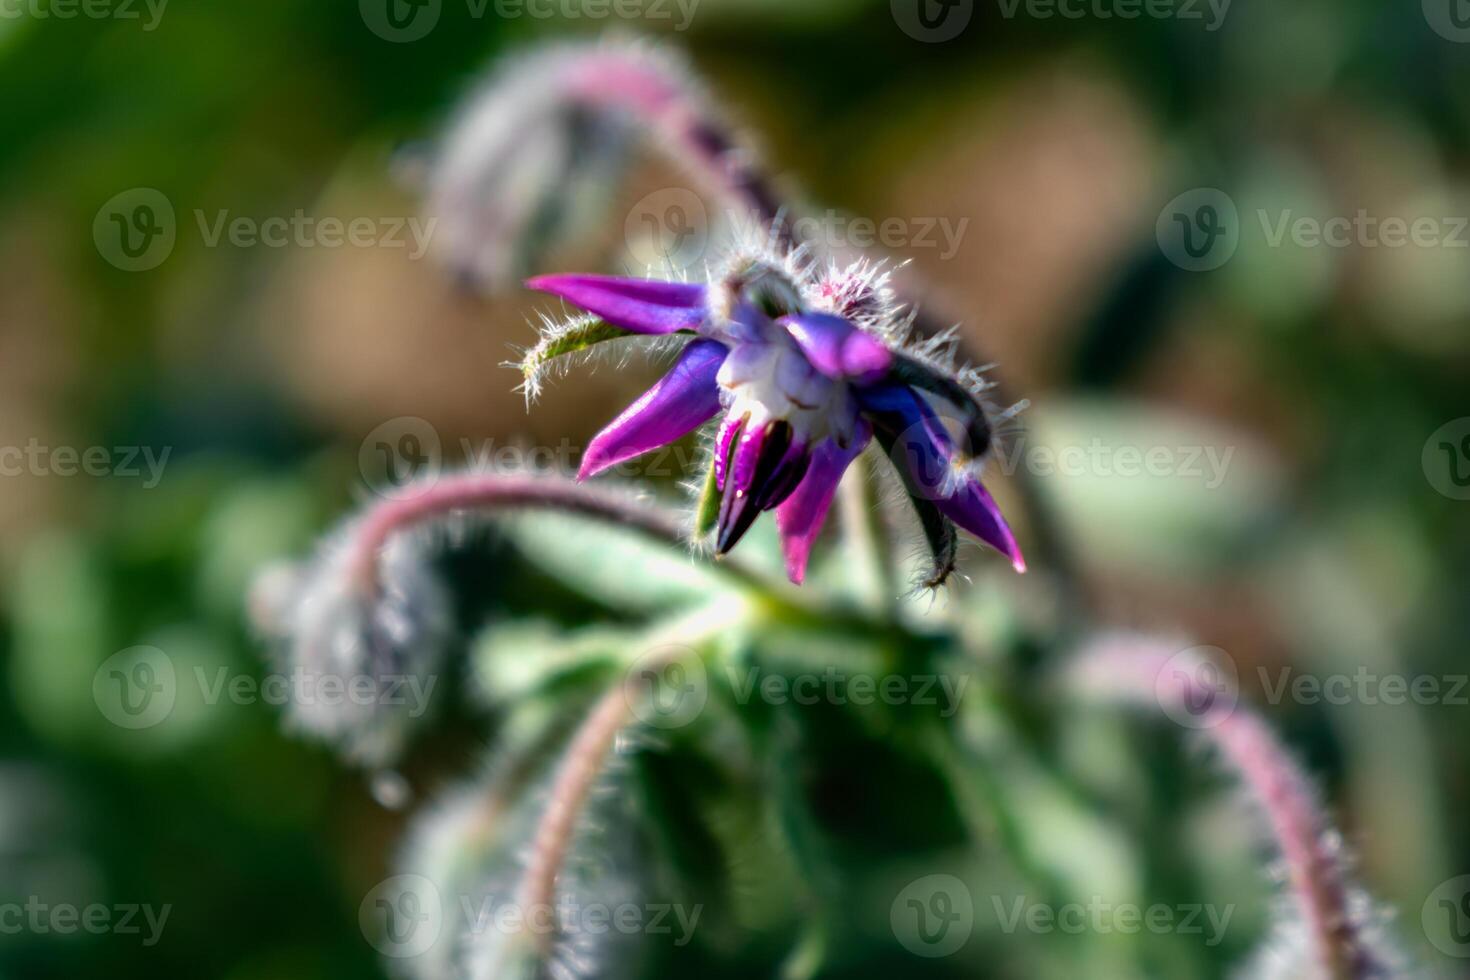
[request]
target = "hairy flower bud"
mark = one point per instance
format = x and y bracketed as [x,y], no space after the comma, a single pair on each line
[360,657]
[534,155]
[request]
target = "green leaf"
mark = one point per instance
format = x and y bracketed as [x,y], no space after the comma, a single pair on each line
[515,661]
[1143,487]
[617,567]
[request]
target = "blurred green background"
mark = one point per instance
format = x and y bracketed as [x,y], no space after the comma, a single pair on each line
[1336,538]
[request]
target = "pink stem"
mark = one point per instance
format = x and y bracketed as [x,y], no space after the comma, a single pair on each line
[578,772]
[668,105]
[494,492]
[1144,670]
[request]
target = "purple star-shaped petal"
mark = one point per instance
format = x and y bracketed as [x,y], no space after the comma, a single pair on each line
[927,449]
[682,401]
[837,348]
[800,518]
[645,306]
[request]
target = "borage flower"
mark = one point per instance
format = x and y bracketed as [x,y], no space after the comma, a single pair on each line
[808,366]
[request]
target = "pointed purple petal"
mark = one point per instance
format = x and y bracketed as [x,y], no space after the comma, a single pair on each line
[837,348]
[922,442]
[927,448]
[972,508]
[680,402]
[640,305]
[747,453]
[800,517]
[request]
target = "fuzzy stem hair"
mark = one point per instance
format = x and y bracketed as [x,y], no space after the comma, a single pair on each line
[499,492]
[1139,670]
[669,103]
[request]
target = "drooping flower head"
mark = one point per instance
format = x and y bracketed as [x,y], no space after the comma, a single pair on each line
[532,160]
[807,365]
[361,654]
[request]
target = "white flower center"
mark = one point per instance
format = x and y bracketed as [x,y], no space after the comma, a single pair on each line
[774,381]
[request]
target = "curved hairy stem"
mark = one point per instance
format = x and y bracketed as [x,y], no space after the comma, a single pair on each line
[587,756]
[579,769]
[436,498]
[1143,670]
[669,104]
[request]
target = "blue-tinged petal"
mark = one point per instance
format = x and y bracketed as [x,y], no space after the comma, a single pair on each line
[837,348]
[682,401]
[646,306]
[800,517]
[921,441]
[926,448]
[972,508]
